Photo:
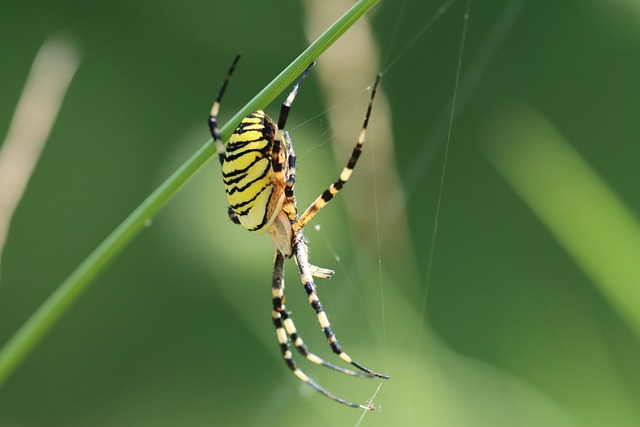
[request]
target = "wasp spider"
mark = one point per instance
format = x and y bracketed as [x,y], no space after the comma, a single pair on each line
[259,172]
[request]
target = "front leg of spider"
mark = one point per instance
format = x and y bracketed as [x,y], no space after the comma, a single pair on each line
[259,170]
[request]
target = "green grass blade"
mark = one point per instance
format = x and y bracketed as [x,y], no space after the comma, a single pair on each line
[25,339]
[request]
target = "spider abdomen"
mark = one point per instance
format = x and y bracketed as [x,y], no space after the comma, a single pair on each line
[249,181]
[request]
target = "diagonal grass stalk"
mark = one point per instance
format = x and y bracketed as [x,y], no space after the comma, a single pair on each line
[580,210]
[45,317]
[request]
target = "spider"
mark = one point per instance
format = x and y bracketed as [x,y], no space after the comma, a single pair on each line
[259,172]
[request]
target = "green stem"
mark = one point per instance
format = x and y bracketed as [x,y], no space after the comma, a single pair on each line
[25,339]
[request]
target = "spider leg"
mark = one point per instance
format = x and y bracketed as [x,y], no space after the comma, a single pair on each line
[232,216]
[302,259]
[285,329]
[213,126]
[282,319]
[289,206]
[322,200]
[213,116]
[286,105]
[283,163]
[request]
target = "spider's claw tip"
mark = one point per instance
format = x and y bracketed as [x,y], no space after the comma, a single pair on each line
[373,374]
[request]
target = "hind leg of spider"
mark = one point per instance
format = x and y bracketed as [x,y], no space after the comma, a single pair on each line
[302,259]
[285,326]
[285,329]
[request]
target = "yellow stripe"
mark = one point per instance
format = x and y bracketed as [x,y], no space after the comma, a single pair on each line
[256,126]
[288,323]
[282,336]
[298,373]
[345,357]
[250,119]
[251,135]
[322,318]
[315,359]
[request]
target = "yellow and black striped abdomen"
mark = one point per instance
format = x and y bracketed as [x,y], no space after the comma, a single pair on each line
[249,180]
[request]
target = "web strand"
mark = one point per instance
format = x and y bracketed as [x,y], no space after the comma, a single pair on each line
[446,156]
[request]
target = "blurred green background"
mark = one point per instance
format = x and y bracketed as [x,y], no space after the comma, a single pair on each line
[509,328]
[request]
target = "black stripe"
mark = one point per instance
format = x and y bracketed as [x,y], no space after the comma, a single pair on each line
[277,322]
[258,127]
[335,346]
[328,333]
[235,146]
[317,306]
[241,189]
[239,171]
[231,157]
[354,157]
[288,192]
[309,287]
[290,363]
[264,220]
[327,196]
[238,175]
[239,205]
[235,180]
[275,155]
